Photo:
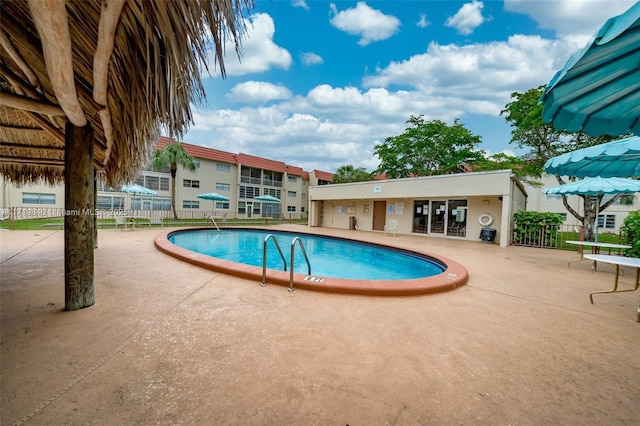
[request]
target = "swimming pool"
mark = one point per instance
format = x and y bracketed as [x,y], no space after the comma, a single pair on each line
[328,257]
[337,264]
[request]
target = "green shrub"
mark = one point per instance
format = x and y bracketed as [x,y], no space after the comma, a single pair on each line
[536,228]
[630,233]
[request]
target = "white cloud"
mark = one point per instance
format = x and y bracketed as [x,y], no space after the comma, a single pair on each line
[332,125]
[300,3]
[369,24]
[480,75]
[258,92]
[468,18]
[310,58]
[259,52]
[577,18]
[423,22]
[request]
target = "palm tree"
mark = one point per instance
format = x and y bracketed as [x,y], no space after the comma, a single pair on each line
[349,173]
[173,154]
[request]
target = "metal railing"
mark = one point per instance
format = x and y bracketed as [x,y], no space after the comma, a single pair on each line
[552,236]
[264,257]
[304,252]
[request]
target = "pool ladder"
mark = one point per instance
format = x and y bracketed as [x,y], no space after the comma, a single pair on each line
[284,261]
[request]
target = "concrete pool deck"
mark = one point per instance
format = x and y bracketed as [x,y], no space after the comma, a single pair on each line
[171,343]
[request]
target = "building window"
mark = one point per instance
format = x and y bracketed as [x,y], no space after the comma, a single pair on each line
[155,183]
[302,209]
[190,204]
[607,221]
[250,175]
[291,194]
[223,186]
[249,191]
[625,200]
[554,197]
[165,169]
[292,178]
[291,209]
[271,191]
[197,163]
[35,198]
[222,205]
[110,202]
[188,183]
[226,168]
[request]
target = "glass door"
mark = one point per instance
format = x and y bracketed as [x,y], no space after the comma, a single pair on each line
[457,218]
[420,216]
[438,217]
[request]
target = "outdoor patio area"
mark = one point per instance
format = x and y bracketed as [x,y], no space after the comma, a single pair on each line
[171,343]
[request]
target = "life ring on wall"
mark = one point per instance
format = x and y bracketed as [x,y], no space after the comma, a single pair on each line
[485,219]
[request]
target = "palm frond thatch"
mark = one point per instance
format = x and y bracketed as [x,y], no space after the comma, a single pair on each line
[159,50]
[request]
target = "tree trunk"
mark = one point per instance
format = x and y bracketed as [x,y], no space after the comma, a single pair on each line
[589,219]
[79,217]
[174,168]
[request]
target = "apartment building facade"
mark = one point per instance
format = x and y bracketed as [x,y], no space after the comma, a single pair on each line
[240,177]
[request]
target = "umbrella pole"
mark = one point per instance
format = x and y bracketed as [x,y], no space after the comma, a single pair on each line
[595,226]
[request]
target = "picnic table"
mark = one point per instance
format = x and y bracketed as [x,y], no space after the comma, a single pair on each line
[617,261]
[595,249]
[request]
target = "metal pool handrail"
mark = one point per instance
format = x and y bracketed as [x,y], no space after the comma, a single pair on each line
[264,257]
[304,252]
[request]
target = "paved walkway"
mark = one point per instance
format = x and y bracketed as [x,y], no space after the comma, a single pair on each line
[172,343]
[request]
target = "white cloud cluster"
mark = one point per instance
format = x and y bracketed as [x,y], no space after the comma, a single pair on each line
[330,126]
[259,52]
[574,18]
[369,24]
[310,58]
[258,92]
[468,18]
[423,22]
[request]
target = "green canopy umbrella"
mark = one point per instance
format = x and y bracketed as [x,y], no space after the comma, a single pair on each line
[267,199]
[598,90]
[619,158]
[138,189]
[596,186]
[214,196]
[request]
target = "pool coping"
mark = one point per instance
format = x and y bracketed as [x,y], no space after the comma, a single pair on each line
[453,277]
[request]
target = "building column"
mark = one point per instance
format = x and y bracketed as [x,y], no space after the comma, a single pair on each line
[505,222]
[79,199]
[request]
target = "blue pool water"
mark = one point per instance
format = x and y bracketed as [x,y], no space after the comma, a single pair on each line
[329,257]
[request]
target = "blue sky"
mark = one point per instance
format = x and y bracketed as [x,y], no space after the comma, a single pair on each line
[320,83]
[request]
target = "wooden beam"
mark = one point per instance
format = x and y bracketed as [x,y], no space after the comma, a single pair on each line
[24,67]
[33,161]
[29,104]
[47,149]
[46,126]
[19,128]
[51,21]
[109,17]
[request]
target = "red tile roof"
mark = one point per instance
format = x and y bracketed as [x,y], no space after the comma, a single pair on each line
[326,176]
[201,151]
[241,159]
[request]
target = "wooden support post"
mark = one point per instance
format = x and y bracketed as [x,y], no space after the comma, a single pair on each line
[79,217]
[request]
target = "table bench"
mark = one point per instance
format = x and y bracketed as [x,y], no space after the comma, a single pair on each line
[617,261]
[595,249]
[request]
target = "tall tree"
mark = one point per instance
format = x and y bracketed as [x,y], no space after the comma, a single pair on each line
[173,155]
[348,173]
[529,131]
[428,148]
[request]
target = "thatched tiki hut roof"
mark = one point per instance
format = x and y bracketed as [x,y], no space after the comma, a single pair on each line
[86,86]
[127,67]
